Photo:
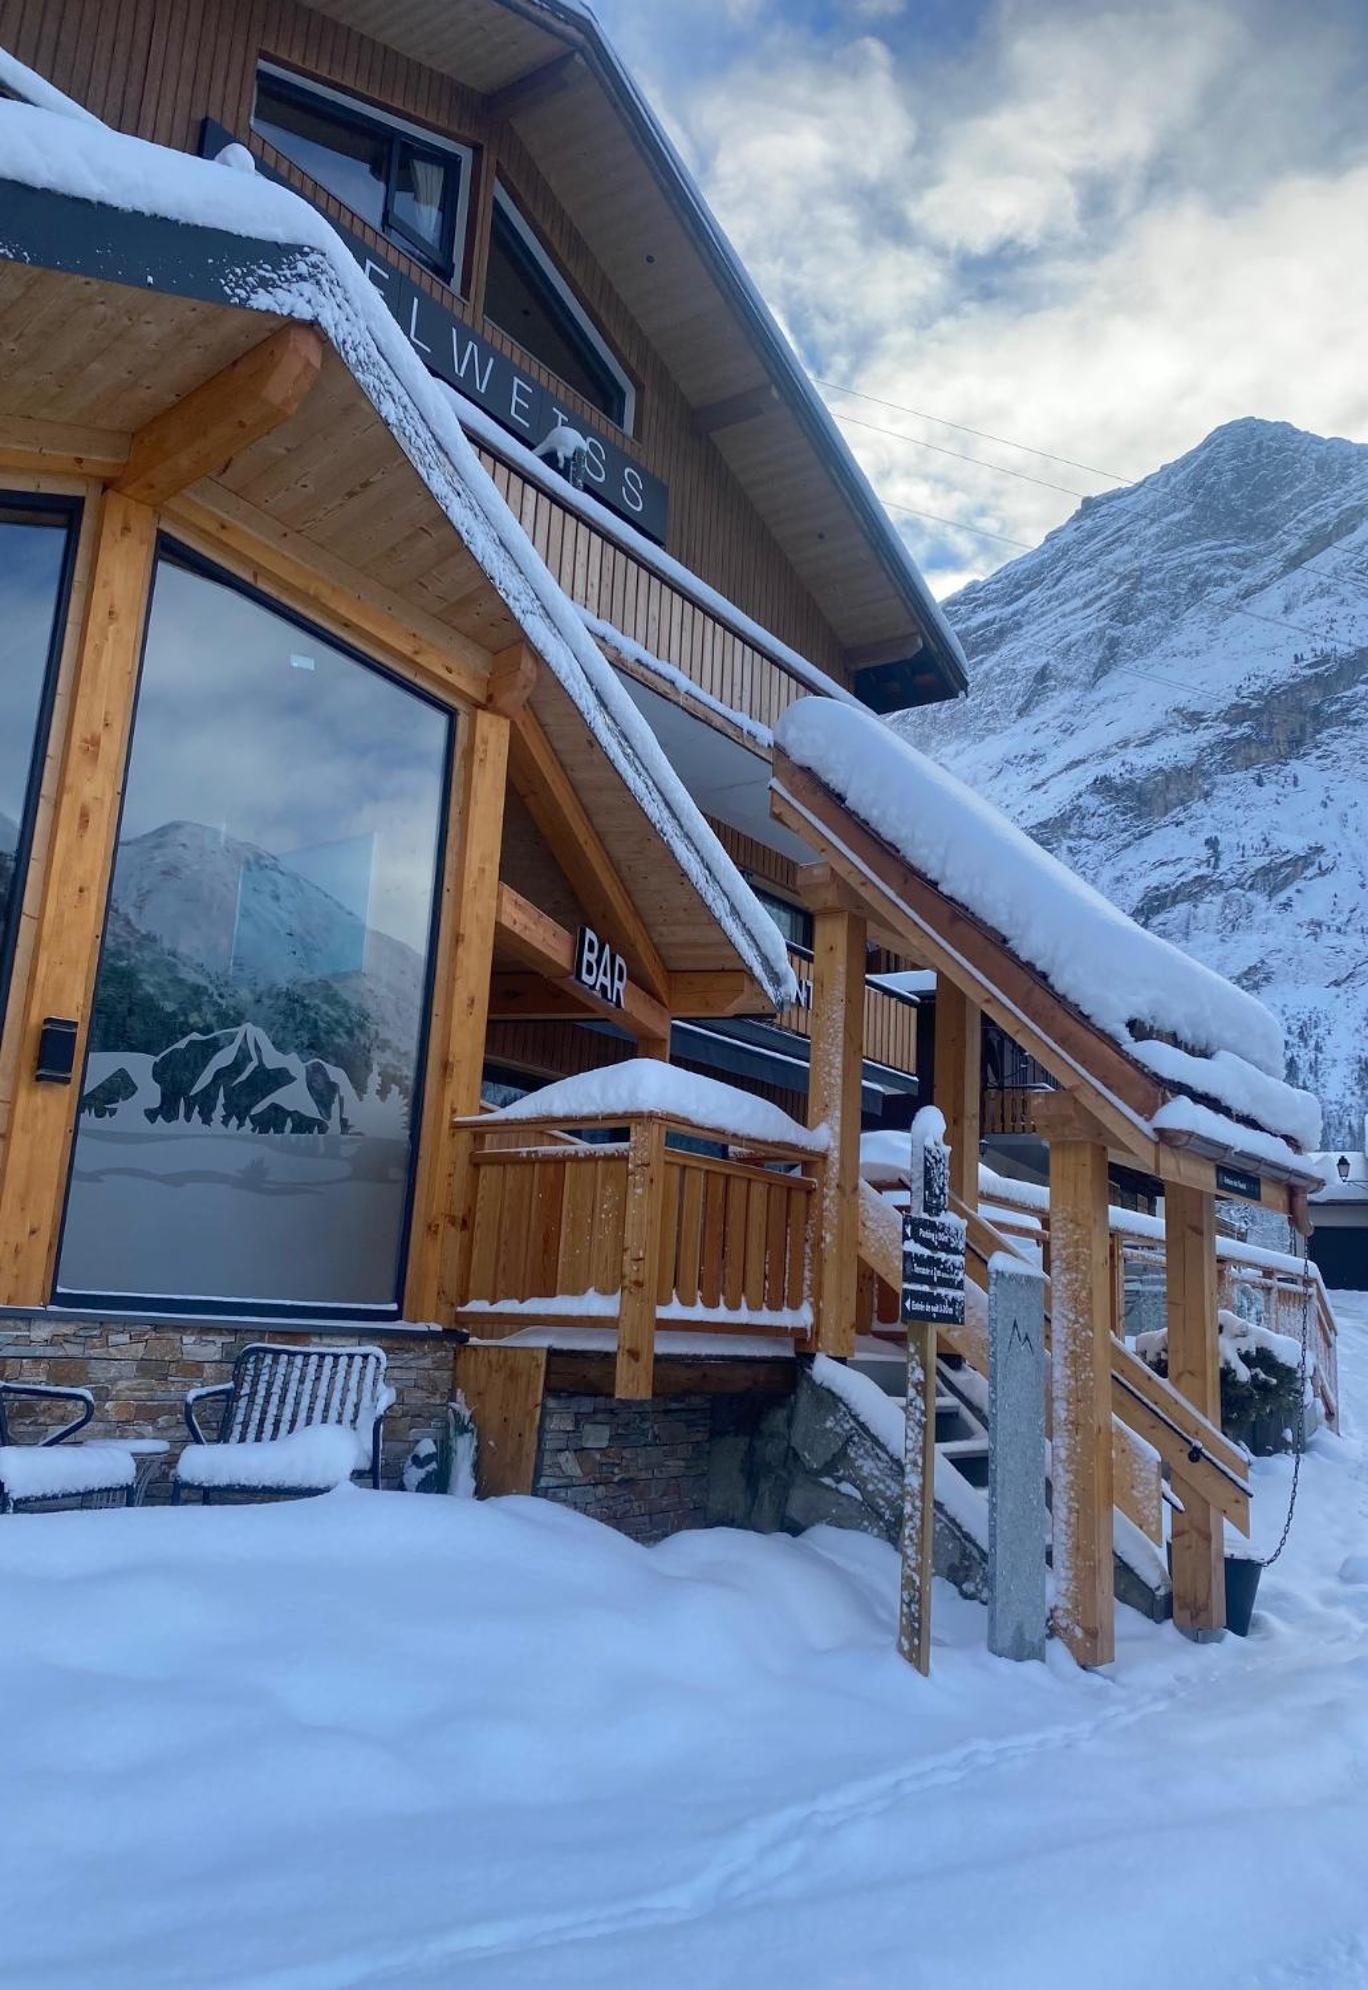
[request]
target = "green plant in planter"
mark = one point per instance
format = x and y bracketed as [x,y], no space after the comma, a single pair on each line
[1261,1382]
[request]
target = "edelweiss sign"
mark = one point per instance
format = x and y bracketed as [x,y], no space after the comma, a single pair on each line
[447,347]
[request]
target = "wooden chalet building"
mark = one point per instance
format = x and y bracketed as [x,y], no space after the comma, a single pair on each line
[401,589]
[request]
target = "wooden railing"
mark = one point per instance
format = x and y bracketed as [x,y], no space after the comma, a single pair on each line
[1153,1425]
[1008,1109]
[631,1233]
[890,1020]
[664,619]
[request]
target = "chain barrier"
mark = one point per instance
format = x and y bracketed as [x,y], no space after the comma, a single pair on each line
[1299,1429]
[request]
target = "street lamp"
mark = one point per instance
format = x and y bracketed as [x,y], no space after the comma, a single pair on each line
[1342,1167]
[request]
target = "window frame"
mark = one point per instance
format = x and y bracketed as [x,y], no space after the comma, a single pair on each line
[450,263]
[166,1306]
[70,510]
[580,318]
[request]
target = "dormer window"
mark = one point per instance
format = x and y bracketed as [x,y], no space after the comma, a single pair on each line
[409,184]
[527,297]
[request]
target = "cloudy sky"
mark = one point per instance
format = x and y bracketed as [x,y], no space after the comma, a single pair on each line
[1099,230]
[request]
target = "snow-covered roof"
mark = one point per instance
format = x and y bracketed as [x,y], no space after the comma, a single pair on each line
[648,1085]
[50,150]
[1134,986]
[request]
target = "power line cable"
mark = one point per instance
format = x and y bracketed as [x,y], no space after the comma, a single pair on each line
[998,469]
[898,407]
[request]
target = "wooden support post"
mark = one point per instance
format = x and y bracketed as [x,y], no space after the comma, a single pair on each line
[958,1084]
[641,1228]
[835,1072]
[503,1387]
[1081,1445]
[1194,1366]
[465,952]
[75,892]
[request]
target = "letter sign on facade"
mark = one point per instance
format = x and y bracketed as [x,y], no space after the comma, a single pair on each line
[454,353]
[600,968]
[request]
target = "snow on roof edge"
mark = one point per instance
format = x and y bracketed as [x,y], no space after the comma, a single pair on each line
[49,150]
[648,1084]
[1088,950]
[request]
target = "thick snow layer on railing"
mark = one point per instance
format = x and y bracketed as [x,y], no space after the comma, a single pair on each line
[647,1085]
[327,287]
[1088,950]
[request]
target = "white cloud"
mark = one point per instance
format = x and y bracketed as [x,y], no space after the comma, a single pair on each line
[1101,229]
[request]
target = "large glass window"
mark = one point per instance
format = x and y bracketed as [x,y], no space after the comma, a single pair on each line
[34,554]
[249,1105]
[527,297]
[409,185]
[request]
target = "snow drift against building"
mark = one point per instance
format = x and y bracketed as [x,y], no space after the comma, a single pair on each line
[1135,987]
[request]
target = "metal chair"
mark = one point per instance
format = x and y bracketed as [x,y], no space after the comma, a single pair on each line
[90,1474]
[276,1393]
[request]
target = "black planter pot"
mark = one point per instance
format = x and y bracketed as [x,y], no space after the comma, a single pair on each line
[1242,1586]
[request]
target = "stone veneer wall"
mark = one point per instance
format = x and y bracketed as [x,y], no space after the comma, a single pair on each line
[641,1467]
[139,1373]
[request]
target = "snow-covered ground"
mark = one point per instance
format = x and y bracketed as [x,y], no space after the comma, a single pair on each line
[384,1740]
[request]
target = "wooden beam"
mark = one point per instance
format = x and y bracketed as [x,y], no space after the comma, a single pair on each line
[548,949]
[643,1219]
[836,1069]
[751,404]
[957,1084]
[75,893]
[928,925]
[512,679]
[1080,1370]
[550,798]
[723,993]
[538,86]
[65,448]
[284,563]
[225,415]
[503,1388]
[1194,1369]
[465,952]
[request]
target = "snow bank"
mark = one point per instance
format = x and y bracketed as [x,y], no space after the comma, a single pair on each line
[646,1084]
[491,1743]
[59,1471]
[327,287]
[1088,950]
[320,1455]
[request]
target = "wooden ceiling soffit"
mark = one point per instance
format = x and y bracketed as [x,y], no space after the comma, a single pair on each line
[725,993]
[548,794]
[287,563]
[223,416]
[1117,1094]
[539,86]
[751,404]
[545,947]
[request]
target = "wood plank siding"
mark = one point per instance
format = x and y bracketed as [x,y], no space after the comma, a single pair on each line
[158,67]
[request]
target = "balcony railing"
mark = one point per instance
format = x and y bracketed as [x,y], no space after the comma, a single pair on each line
[890,1020]
[695,638]
[632,1233]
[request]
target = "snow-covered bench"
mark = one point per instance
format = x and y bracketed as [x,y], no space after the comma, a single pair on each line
[295,1420]
[53,1468]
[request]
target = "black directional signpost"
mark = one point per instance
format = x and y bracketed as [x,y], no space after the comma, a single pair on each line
[932,1296]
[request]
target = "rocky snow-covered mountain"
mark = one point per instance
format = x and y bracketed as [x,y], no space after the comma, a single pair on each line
[1171,693]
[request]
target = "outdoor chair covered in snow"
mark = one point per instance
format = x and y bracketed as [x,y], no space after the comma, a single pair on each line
[295,1420]
[52,1469]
